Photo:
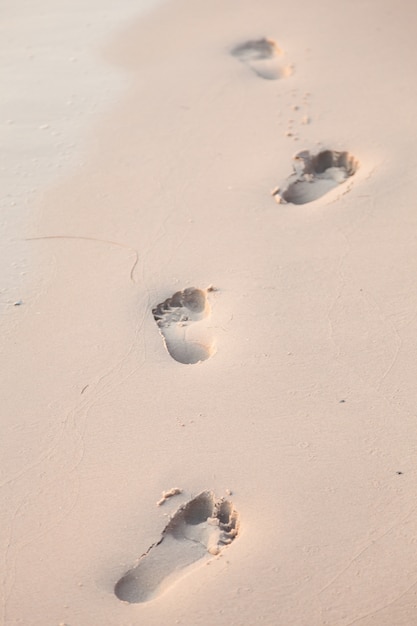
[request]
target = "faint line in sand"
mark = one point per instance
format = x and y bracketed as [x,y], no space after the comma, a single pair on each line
[382,608]
[82,238]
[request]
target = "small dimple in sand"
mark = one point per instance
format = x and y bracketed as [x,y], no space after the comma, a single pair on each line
[199,530]
[315,175]
[264,57]
[183,322]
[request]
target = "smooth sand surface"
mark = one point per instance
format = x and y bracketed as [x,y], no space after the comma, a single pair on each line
[303,414]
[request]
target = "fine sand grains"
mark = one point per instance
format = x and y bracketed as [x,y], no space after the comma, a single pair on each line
[111,397]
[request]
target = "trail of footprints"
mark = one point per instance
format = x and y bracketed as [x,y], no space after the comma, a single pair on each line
[313,175]
[204,526]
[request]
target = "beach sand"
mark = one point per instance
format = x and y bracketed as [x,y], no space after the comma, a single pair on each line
[291,445]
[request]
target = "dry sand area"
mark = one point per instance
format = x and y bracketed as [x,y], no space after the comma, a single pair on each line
[209,313]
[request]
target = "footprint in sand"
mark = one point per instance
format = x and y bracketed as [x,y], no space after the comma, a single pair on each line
[182,321]
[199,530]
[315,175]
[264,57]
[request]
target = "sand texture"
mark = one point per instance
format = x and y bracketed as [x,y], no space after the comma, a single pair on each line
[209,313]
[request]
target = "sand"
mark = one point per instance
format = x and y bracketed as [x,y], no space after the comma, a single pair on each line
[148,234]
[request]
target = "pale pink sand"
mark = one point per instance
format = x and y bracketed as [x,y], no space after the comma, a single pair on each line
[307,411]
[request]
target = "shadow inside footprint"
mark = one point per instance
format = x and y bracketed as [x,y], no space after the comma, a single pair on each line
[316,175]
[179,320]
[198,530]
[263,57]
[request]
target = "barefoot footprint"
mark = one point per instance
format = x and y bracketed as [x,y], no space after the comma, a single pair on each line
[315,175]
[263,56]
[198,531]
[182,321]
